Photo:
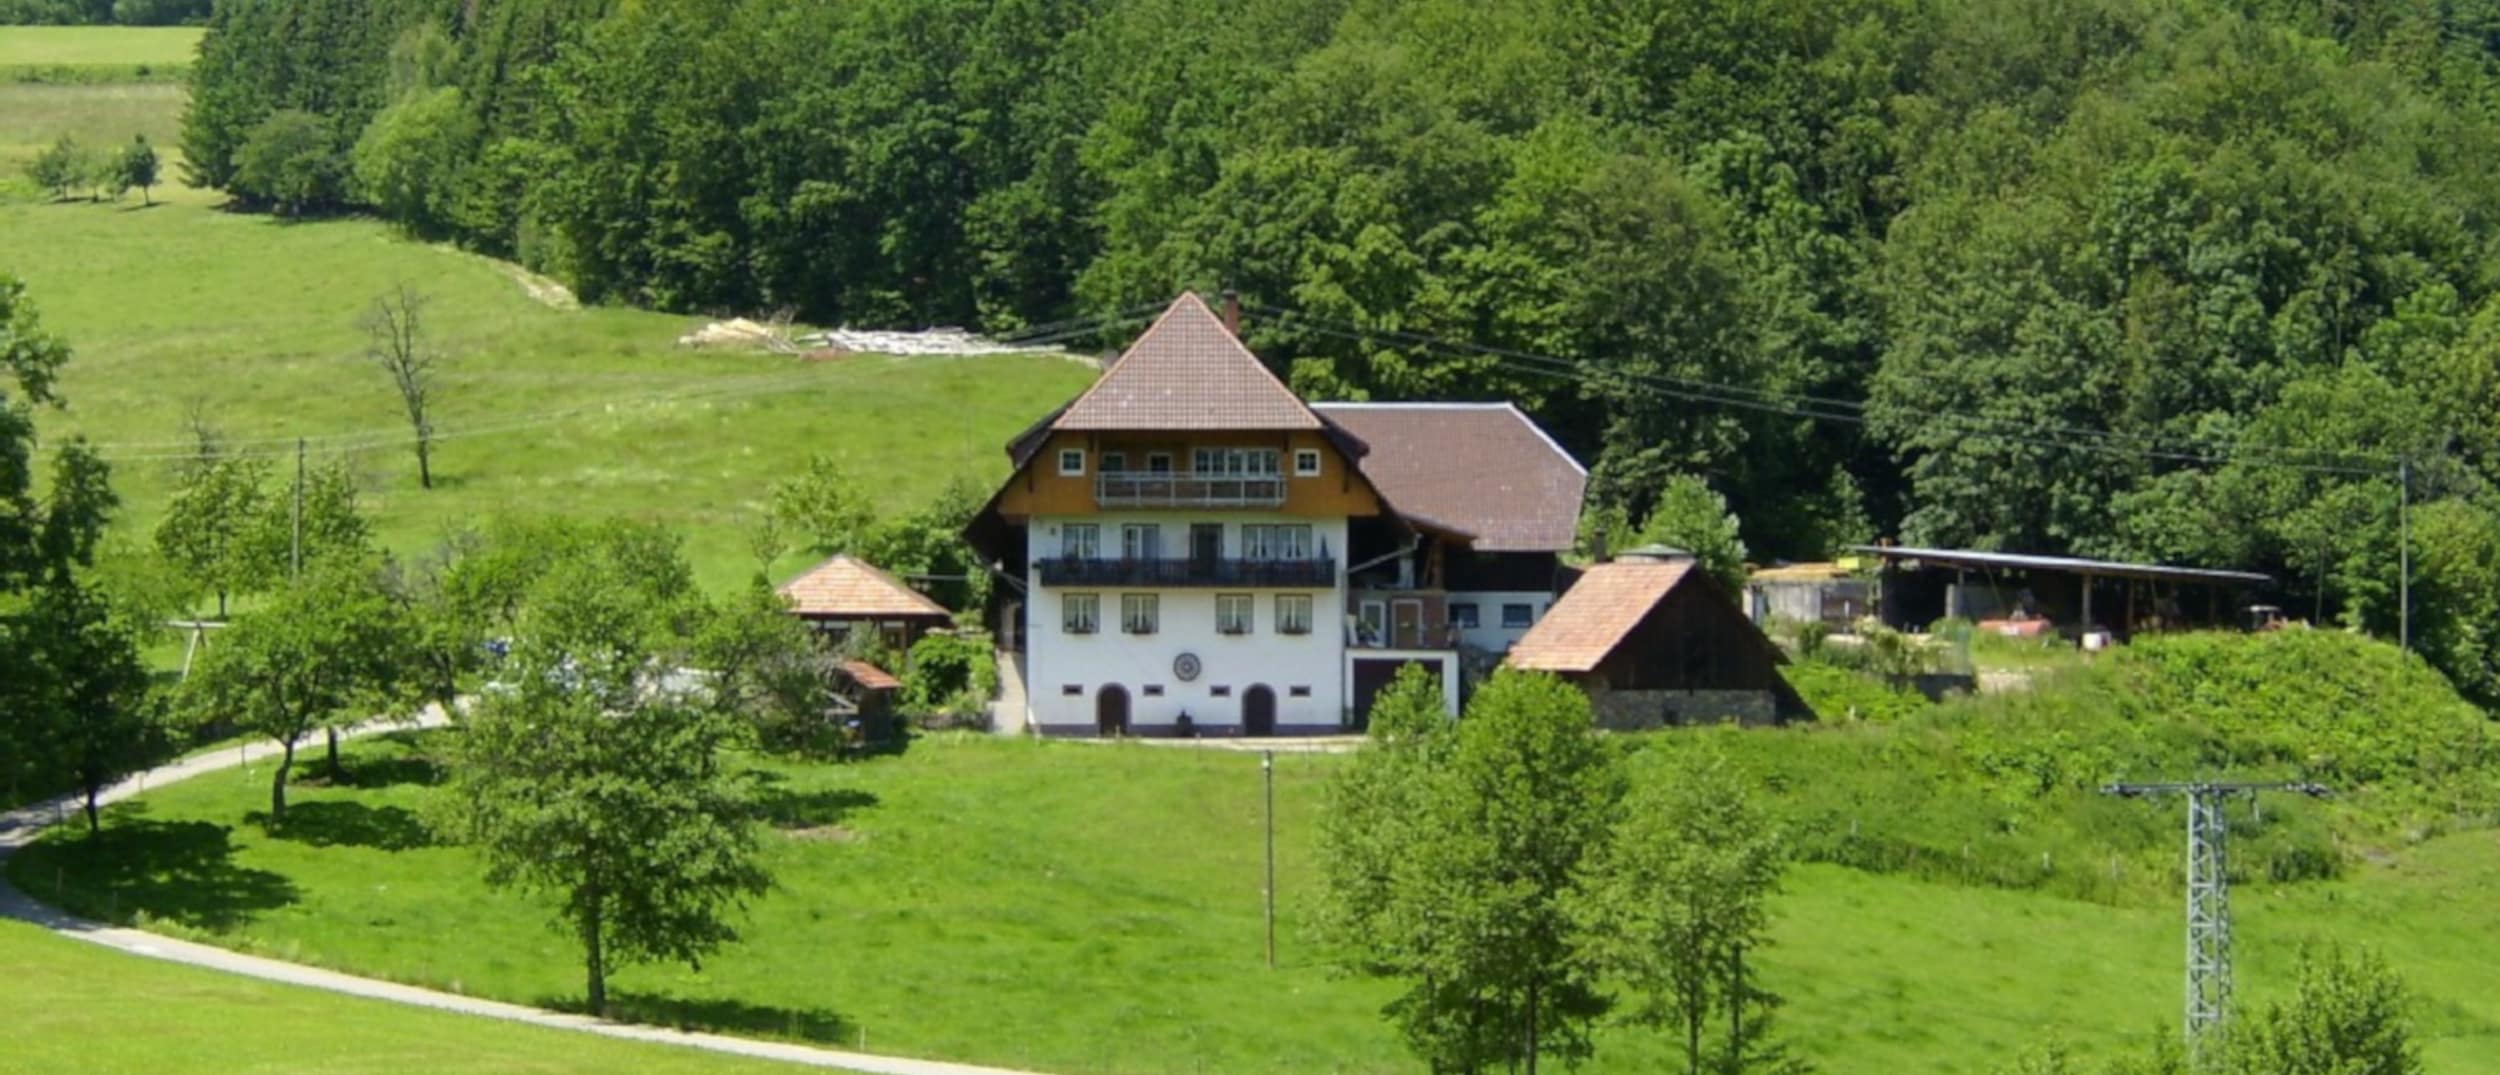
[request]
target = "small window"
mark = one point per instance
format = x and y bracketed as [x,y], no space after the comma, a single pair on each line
[1293,614]
[1114,462]
[1072,462]
[1297,692]
[1080,613]
[1072,690]
[1139,613]
[1153,690]
[1158,462]
[1232,614]
[1463,614]
[1080,541]
[1518,614]
[1220,692]
[1306,463]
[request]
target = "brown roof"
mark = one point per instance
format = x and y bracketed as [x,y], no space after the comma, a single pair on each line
[1482,469]
[868,675]
[848,588]
[1187,372]
[1595,614]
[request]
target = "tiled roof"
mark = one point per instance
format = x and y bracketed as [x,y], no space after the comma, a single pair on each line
[1595,614]
[849,588]
[1480,468]
[1187,372]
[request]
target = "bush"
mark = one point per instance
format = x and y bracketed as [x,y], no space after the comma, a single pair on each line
[952,675]
[2003,790]
[1837,693]
[291,163]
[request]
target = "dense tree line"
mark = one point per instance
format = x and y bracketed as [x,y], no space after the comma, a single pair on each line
[2172,279]
[104,12]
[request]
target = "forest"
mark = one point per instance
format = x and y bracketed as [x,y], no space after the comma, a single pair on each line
[2200,281]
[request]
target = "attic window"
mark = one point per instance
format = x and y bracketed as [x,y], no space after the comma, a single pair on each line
[1072,462]
[1306,463]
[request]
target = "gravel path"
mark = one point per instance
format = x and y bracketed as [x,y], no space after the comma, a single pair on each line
[20,827]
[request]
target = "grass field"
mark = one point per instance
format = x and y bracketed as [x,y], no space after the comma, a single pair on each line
[576,412]
[113,46]
[1083,908]
[106,101]
[83,1018]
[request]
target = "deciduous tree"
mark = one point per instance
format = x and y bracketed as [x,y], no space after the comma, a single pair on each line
[137,167]
[396,341]
[328,648]
[588,775]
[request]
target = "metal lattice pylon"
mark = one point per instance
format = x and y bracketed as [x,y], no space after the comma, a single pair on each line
[2208,912]
[2208,893]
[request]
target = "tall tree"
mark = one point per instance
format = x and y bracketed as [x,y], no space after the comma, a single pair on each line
[396,341]
[327,649]
[587,775]
[92,700]
[1467,902]
[1680,899]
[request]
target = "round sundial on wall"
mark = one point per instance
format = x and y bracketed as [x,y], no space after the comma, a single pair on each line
[1185,667]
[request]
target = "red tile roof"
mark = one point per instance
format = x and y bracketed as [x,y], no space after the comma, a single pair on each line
[1187,372]
[1595,614]
[1483,469]
[847,588]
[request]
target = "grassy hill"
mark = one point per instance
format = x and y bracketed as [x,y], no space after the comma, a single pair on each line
[197,1021]
[1079,907]
[98,84]
[254,323]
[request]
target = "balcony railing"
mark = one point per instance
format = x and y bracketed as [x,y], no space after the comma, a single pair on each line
[1186,489]
[1310,574]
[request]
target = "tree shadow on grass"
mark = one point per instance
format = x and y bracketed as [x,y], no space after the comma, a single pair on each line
[725,1016]
[178,871]
[817,808]
[336,823]
[365,769]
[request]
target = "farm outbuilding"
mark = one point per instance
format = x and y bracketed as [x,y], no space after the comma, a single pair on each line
[2019,591]
[845,593]
[1657,641]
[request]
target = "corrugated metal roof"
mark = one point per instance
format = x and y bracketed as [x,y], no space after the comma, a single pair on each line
[1595,614]
[1187,372]
[846,587]
[2069,564]
[1483,469]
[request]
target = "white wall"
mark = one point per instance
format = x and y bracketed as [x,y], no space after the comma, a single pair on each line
[1489,634]
[1056,659]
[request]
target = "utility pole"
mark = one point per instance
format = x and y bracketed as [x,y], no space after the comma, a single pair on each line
[2208,892]
[1267,772]
[295,547]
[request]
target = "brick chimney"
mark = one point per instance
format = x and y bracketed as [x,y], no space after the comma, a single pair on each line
[1232,312]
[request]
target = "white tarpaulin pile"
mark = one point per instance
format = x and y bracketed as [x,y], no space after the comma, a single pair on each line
[936,341]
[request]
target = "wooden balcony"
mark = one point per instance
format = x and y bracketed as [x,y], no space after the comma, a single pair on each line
[1317,573]
[1185,489]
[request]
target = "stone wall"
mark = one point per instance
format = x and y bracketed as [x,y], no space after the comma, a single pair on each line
[1630,711]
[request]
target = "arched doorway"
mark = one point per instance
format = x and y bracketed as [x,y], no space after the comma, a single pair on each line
[1111,710]
[1258,711]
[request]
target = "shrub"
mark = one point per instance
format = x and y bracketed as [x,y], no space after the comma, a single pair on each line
[953,674]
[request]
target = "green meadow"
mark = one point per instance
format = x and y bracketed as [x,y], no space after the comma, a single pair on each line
[1096,908]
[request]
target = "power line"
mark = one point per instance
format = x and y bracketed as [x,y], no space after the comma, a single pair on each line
[1818,408]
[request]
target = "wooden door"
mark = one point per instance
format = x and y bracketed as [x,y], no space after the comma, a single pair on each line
[1111,711]
[1258,711]
[1406,624]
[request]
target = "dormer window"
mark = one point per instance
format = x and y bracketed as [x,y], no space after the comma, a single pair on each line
[1072,462]
[1306,463]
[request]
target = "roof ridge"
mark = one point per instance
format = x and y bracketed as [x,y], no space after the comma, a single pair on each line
[1187,345]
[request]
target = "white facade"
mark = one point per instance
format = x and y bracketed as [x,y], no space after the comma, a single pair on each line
[1492,632]
[1066,672]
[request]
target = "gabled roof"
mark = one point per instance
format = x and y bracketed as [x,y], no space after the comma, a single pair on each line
[848,588]
[1596,613]
[1482,469]
[867,675]
[1187,372]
